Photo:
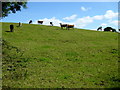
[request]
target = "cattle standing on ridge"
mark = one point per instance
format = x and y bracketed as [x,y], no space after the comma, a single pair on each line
[30,21]
[109,29]
[20,24]
[40,22]
[63,25]
[11,28]
[51,23]
[100,28]
[70,26]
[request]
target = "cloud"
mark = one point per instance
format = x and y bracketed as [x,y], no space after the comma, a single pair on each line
[110,14]
[48,20]
[104,24]
[82,22]
[115,22]
[98,17]
[70,17]
[56,22]
[84,9]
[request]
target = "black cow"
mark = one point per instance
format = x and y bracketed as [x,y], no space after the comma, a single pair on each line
[109,29]
[40,22]
[20,24]
[11,28]
[100,28]
[30,21]
[63,25]
[51,23]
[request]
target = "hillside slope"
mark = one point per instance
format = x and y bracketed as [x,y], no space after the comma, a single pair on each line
[58,58]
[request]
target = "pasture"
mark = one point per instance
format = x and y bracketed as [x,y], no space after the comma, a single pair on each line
[38,56]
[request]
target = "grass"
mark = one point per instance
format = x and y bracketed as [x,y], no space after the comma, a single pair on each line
[49,57]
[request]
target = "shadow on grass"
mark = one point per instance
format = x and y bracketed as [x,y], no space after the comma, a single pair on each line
[7,31]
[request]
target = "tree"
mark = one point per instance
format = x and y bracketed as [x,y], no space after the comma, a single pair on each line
[12,7]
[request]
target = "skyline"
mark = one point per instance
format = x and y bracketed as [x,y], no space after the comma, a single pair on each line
[86,15]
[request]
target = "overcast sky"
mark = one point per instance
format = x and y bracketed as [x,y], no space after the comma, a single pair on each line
[87,15]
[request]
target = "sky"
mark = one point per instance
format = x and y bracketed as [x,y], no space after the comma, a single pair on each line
[85,15]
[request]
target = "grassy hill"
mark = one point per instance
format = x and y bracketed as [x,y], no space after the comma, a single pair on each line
[38,56]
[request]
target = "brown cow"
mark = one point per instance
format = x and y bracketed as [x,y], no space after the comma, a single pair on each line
[40,22]
[70,26]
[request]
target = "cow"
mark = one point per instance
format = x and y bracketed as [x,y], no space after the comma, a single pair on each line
[100,28]
[11,28]
[63,25]
[40,22]
[20,24]
[114,30]
[30,21]
[51,23]
[70,26]
[109,29]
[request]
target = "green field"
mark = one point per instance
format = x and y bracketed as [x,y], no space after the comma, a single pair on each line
[38,56]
